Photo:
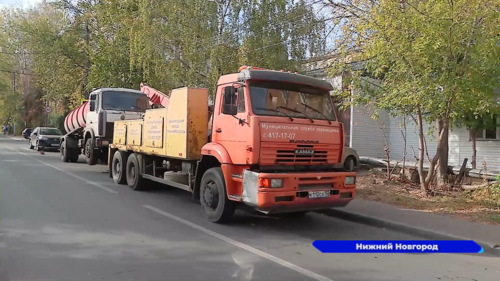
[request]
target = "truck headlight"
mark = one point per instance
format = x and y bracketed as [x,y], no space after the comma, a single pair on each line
[272,183]
[350,180]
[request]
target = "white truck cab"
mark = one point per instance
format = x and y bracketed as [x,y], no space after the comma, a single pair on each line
[106,105]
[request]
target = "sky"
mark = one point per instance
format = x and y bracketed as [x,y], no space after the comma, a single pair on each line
[18,3]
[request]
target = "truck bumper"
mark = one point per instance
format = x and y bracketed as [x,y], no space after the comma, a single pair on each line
[299,191]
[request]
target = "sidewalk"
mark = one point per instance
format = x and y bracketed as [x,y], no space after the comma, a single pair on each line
[419,223]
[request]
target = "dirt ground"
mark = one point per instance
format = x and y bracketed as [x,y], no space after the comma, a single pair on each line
[482,205]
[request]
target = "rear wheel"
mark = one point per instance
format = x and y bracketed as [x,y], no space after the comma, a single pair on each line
[133,174]
[90,153]
[213,196]
[118,163]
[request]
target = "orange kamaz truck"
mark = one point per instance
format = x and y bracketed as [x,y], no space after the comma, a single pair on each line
[269,142]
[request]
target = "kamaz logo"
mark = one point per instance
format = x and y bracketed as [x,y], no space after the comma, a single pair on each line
[304,141]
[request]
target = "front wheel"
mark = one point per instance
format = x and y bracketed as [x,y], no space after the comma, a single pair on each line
[90,153]
[213,197]
[65,154]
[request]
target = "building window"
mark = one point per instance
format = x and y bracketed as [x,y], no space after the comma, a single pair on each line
[492,133]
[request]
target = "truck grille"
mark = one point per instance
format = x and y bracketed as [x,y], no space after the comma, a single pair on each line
[285,153]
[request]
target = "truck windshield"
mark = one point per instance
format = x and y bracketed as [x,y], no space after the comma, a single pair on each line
[50,132]
[126,101]
[275,99]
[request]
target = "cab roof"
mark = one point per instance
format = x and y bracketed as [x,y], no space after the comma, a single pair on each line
[280,76]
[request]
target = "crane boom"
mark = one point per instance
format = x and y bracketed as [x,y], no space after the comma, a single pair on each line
[155,97]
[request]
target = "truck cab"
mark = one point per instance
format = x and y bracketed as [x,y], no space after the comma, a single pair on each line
[90,127]
[278,140]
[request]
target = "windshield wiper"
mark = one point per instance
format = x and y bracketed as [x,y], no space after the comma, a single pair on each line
[296,111]
[113,107]
[314,109]
[276,110]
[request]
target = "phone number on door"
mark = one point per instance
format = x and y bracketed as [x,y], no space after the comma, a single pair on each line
[288,136]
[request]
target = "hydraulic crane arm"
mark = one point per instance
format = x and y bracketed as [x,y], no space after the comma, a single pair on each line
[155,97]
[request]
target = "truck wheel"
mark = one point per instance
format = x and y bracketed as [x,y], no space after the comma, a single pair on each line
[90,152]
[133,174]
[65,154]
[118,167]
[213,197]
[73,155]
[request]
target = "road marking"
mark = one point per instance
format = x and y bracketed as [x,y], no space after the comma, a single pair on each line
[66,172]
[243,246]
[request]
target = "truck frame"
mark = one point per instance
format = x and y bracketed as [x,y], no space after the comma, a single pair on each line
[265,159]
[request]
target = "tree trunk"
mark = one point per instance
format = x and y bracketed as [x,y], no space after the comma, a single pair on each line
[472,136]
[421,152]
[442,126]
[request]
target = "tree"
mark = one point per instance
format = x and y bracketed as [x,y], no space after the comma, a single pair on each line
[434,58]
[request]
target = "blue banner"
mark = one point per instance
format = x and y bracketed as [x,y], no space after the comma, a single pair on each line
[398,246]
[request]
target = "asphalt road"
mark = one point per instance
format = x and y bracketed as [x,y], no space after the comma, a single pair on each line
[62,221]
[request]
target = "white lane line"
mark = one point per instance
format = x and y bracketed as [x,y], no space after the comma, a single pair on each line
[243,246]
[66,172]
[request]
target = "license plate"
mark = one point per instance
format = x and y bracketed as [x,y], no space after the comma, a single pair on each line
[319,194]
[55,144]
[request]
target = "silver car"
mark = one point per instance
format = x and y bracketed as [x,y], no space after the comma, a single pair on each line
[350,159]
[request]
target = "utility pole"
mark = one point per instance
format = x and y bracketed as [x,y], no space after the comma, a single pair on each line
[46,114]
[15,91]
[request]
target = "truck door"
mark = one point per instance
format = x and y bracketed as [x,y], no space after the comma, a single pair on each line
[92,113]
[228,130]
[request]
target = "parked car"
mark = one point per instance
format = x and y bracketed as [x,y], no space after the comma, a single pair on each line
[350,159]
[27,133]
[46,138]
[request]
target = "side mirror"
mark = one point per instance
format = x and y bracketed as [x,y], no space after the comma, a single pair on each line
[229,106]
[92,105]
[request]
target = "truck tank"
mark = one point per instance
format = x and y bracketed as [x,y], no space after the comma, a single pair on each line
[76,118]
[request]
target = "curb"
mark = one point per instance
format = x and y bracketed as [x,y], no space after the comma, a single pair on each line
[422,232]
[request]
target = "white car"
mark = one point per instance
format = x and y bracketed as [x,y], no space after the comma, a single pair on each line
[350,159]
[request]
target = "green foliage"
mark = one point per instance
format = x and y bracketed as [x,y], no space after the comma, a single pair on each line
[57,121]
[74,46]
[441,56]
